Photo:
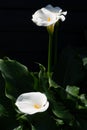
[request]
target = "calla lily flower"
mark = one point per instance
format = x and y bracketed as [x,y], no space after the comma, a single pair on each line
[32,102]
[48,15]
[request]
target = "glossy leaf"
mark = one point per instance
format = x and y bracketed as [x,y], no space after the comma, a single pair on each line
[53,84]
[83,98]
[3,111]
[62,112]
[18,128]
[84,61]
[17,77]
[32,127]
[73,90]
[59,122]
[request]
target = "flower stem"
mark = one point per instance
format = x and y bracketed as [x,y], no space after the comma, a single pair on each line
[56,44]
[50,54]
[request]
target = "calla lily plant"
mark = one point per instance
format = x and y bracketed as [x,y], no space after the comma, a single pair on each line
[49,99]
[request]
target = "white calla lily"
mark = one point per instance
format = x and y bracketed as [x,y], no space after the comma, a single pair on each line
[32,102]
[48,15]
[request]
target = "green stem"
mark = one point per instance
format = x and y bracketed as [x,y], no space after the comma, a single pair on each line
[50,54]
[56,45]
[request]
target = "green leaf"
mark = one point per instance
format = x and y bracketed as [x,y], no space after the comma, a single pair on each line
[43,79]
[43,121]
[59,122]
[36,81]
[10,91]
[32,127]
[21,116]
[18,128]
[53,84]
[17,78]
[3,111]
[42,73]
[42,68]
[62,112]
[84,61]
[83,98]
[73,90]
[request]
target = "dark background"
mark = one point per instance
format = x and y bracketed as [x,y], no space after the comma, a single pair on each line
[22,40]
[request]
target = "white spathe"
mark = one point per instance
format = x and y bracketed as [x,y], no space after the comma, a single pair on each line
[48,15]
[32,102]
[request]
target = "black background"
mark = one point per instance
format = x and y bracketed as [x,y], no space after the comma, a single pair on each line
[22,40]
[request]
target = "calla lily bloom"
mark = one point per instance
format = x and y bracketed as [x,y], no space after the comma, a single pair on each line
[48,15]
[32,102]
